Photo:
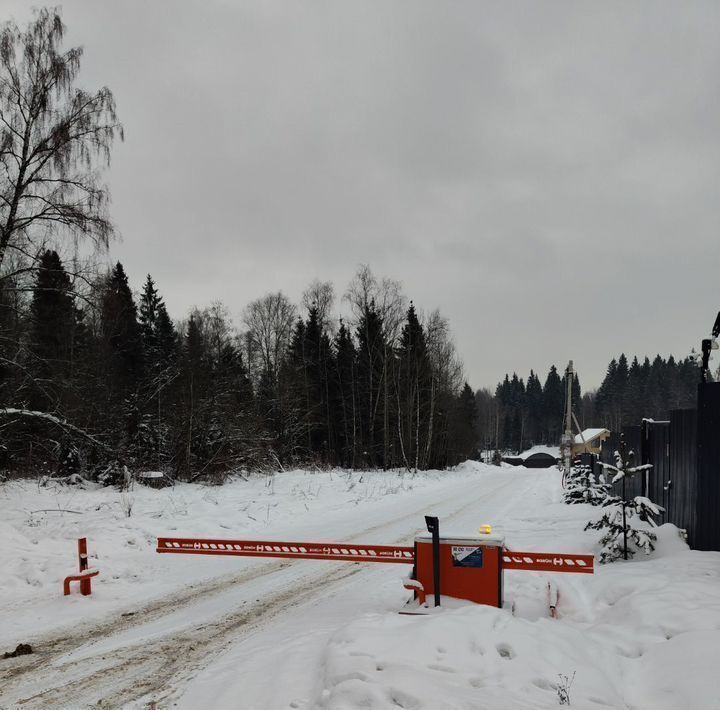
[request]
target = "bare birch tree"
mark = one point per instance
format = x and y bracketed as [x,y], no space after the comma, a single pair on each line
[321,296]
[269,321]
[386,298]
[446,373]
[53,136]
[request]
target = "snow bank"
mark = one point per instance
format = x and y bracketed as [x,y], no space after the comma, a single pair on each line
[643,635]
[459,659]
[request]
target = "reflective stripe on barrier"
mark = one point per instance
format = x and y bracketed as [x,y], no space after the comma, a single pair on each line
[288,550]
[549,562]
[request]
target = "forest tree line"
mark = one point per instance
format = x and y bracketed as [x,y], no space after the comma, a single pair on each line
[121,382]
[519,414]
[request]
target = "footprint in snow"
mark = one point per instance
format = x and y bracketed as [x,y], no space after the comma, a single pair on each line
[543,684]
[475,647]
[505,651]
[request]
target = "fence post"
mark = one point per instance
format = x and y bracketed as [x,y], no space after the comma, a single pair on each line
[645,453]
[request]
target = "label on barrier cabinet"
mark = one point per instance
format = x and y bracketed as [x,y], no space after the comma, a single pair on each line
[467,556]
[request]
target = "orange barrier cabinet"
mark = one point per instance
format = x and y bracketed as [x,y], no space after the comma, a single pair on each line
[471,567]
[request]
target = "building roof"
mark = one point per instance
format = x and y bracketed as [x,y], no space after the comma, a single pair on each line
[589,435]
[553,451]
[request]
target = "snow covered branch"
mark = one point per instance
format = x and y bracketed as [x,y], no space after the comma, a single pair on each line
[50,418]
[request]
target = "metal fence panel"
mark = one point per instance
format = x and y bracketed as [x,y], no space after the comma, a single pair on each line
[706,534]
[655,450]
[683,470]
[671,449]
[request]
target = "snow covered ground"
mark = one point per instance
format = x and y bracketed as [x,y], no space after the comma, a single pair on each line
[170,631]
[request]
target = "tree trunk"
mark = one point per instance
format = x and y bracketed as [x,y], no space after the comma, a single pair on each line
[428,446]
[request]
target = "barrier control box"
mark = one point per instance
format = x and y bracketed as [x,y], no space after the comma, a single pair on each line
[471,567]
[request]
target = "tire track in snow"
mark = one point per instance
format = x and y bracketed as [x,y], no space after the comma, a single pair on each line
[143,667]
[67,640]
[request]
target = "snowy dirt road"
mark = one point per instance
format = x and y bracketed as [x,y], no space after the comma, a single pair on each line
[252,638]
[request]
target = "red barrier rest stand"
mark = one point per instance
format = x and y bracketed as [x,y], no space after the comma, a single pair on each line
[85,574]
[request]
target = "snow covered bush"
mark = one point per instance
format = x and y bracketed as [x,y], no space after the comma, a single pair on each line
[584,486]
[625,521]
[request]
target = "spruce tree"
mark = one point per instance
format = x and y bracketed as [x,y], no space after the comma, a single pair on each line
[165,337]
[553,406]
[194,374]
[158,332]
[52,333]
[619,405]
[462,435]
[314,363]
[503,397]
[412,390]
[159,346]
[533,398]
[294,412]
[516,436]
[627,523]
[149,302]
[606,394]
[370,370]
[344,389]
[231,430]
[122,356]
[584,486]
[52,313]
[121,332]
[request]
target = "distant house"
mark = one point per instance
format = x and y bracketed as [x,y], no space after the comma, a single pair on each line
[590,441]
[536,457]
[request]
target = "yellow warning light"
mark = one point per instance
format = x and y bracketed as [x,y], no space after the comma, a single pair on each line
[485,529]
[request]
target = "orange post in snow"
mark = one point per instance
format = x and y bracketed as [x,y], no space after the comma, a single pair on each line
[86,574]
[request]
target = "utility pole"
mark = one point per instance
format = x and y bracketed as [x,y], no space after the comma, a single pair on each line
[566,442]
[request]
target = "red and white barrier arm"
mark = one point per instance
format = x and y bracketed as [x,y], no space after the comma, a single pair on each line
[530,561]
[287,550]
[549,562]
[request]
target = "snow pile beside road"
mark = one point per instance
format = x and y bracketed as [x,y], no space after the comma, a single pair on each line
[643,634]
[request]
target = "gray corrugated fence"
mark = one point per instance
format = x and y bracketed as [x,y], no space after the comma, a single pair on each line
[670,447]
[707,493]
[683,470]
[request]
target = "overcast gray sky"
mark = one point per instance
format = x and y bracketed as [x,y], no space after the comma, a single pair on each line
[546,173]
